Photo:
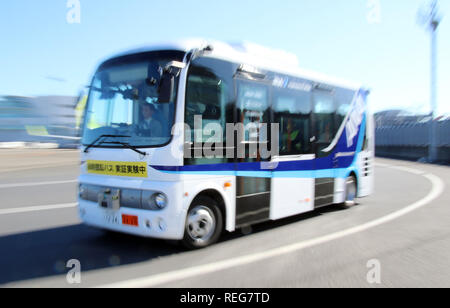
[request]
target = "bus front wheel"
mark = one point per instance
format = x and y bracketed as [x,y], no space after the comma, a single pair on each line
[204,223]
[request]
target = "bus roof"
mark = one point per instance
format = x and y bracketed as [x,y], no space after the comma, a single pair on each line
[251,54]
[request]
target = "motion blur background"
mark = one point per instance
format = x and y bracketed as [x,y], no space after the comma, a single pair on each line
[48,53]
[50,49]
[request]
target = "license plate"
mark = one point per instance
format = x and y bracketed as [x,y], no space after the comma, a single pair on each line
[130,220]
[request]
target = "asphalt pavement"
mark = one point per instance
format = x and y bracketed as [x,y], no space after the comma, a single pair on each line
[403,227]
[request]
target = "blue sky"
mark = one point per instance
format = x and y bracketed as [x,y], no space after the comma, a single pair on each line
[43,54]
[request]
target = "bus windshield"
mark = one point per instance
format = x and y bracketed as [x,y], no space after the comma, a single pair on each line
[123,102]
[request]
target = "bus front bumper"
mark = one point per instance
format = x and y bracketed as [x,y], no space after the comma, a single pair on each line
[145,223]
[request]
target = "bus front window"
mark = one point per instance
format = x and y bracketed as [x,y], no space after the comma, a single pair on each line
[123,101]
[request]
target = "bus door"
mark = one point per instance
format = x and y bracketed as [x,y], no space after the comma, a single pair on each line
[293,191]
[253,182]
[322,137]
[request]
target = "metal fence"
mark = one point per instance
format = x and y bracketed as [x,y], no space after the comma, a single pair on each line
[415,135]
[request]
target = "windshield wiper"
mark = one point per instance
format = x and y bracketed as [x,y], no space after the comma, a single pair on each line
[125,145]
[102,137]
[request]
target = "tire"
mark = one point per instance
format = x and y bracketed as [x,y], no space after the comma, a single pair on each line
[204,223]
[351,192]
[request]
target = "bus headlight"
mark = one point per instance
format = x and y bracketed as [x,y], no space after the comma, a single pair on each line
[160,200]
[153,201]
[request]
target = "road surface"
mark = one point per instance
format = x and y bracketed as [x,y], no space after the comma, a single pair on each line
[404,228]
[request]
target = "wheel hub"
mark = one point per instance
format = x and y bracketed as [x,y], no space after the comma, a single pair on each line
[201,223]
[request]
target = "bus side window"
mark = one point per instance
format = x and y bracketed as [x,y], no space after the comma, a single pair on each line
[253,108]
[292,111]
[344,99]
[209,94]
[324,113]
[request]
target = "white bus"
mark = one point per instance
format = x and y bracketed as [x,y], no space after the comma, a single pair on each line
[145,172]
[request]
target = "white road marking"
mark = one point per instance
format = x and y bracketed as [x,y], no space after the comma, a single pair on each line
[2,186]
[177,275]
[410,170]
[382,165]
[402,168]
[37,208]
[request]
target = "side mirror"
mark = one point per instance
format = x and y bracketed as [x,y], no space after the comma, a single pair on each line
[166,88]
[167,81]
[154,74]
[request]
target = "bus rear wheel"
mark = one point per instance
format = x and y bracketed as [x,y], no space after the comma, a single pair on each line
[204,223]
[350,192]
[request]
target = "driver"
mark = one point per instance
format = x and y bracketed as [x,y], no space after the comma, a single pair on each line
[149,126]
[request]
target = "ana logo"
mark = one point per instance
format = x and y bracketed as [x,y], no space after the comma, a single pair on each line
[280,82]
[286,83]
[355,120]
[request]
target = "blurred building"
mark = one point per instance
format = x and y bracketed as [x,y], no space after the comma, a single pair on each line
[400,134]
[42,120]
[399,117]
